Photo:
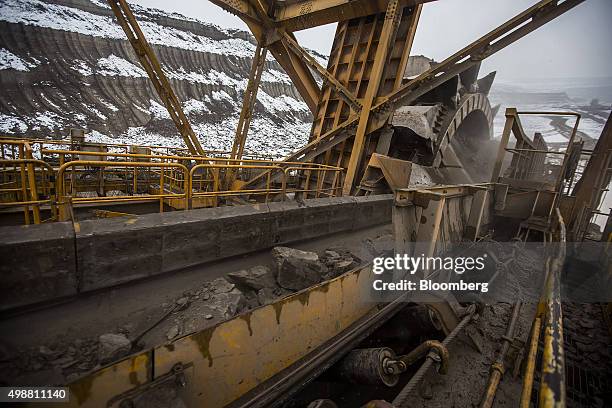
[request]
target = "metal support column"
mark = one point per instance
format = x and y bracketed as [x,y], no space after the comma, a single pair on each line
[392,19]
[248,103]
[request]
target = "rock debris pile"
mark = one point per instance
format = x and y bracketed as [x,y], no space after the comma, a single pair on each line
[290,270]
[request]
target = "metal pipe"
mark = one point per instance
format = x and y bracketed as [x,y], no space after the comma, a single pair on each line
[552,386]
[402,397]
[498,366]
[422,349]
[531,361]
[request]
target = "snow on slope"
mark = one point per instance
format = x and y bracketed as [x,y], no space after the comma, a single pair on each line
[96,82]
[8,60]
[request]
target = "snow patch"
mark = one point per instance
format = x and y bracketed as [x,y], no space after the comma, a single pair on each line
[282,103]
[47,120]
[82,67]
[222,96]
[158,111]
[195,106]
[41,14]
[8,60]
[12,124]
[117,66]
[273,75]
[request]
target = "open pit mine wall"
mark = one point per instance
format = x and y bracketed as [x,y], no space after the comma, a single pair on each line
[70,79]
[50,261]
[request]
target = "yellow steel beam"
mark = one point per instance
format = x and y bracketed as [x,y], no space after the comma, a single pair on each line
[263,29]
[241,8]
[387,37]
[299,73]
[347,95]
[303,14]
[588,189]
[492,42]
[149,61]
[248,103]
[484,47]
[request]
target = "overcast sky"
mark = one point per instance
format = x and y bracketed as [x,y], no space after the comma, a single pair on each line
[577,44]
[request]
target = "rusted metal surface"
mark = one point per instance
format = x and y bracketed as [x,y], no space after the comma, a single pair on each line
[401,399]
[498,368]
[230,359]
[528,377]
[552,387]
[423,349]
[368,366]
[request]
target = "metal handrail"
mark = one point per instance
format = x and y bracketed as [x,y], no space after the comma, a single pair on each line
[27,171]
[64,201]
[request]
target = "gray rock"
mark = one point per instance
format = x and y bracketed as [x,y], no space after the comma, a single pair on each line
[230,303]
[297,269]
[113,346]
[172,332]
[251,299]
[47,353]
[182,301]
[221,285]
[338,261]
[266,296]
[255,278]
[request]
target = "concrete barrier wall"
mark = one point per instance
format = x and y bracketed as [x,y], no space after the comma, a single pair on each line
[37,263]
[49,261]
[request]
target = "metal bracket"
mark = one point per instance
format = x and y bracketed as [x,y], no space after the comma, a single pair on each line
[176,374]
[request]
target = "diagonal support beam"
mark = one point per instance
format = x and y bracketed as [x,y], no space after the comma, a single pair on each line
[303,14]
[344,93]
[241,8]
[149,61]
[387,37]
[248,103]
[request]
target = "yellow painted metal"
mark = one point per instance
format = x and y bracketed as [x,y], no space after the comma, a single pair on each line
[235,356]
[358,44]
[343,92]
[97,388]
[531,361]
[387,37]
[122,172]
[65,202]
[248,103]
[29,186]
[340,135]
[552,392]
[274,171]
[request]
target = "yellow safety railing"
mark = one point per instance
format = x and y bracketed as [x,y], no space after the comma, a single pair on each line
[110,174]
[290,181]
[548,325]
[22,184]
[65,201]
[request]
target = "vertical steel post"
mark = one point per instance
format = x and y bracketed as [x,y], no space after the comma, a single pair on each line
[503,143]
[392,19]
